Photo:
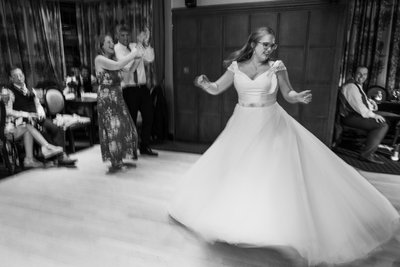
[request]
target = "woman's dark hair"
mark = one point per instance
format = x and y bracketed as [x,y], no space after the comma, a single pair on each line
[247,50]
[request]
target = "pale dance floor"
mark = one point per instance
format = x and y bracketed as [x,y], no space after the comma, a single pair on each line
[84,217]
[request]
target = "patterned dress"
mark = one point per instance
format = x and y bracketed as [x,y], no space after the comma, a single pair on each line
[117,132]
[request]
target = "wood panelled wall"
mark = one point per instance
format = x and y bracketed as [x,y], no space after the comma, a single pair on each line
[309,34]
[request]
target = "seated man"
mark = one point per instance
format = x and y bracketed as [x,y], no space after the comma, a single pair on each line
[71,83]
[24,105]
[362,113]
[20,130]
[87,82]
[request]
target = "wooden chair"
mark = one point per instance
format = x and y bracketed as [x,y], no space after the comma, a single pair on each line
[374,90]
[394,132]
[55,104]
[343,132]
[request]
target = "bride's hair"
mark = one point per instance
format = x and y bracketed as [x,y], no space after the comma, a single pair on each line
[247,50]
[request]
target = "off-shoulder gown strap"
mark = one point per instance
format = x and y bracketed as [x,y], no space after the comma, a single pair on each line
[233,67]
[278,66]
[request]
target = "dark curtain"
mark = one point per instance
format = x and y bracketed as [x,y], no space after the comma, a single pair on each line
[97,18]
[31,38]
[372,40]
[159,41]
[393,77]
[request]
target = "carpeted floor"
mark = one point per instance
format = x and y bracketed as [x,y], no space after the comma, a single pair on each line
[351,157]
[348,154]
[181,147]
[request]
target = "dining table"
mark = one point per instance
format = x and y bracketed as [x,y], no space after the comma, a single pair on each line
[84,106]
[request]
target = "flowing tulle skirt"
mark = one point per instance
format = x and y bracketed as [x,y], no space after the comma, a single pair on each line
[267,181]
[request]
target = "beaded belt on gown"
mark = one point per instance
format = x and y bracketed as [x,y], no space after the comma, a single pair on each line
[257,104]
[256,100]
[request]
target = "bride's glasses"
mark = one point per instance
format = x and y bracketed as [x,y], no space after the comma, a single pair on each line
[267,45]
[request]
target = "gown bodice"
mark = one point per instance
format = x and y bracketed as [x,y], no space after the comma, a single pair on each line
[262,89]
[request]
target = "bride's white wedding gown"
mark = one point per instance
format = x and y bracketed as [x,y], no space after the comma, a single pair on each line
[267,181]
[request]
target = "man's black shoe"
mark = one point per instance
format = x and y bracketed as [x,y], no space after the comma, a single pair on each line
[372,159]
[148,151]
[66,161]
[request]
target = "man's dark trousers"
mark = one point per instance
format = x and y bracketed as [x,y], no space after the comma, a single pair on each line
[52,133]
[138,98]
[375,131]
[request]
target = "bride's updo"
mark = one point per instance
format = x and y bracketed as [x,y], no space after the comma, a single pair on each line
[247,50]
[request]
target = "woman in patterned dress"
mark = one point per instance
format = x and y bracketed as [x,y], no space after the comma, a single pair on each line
[117,132]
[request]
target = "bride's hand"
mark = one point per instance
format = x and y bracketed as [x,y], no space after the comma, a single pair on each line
[202,81]
[304,97]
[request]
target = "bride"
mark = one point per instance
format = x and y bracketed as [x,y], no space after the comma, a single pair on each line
[267,181]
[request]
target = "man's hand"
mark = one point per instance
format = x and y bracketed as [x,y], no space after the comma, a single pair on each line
[379,118]
[144,37]
[31,116]
[374,105]
[140,51]
[41,116]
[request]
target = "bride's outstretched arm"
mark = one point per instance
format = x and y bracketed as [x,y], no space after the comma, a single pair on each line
[215,88]
[287,91]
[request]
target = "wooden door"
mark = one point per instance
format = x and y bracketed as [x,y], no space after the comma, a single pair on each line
[236,29]
[185,69]
[322,71]
[209,62]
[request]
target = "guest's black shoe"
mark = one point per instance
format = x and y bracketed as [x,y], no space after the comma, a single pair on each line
[129,164]
[148,151]
[372,159]
[64,160]
[115,168]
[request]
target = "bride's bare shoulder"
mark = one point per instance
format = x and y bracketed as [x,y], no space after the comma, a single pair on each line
[243,64]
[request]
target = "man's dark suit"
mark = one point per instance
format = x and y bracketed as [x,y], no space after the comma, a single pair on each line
[51,132]
[376,131]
